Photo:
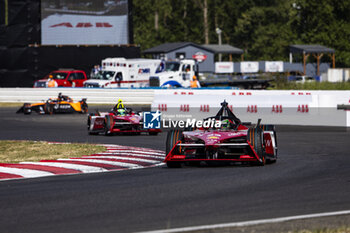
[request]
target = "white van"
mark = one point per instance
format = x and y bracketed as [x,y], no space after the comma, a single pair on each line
[121,72]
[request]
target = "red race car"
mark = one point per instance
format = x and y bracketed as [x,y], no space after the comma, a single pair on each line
[232,142]
[118,120]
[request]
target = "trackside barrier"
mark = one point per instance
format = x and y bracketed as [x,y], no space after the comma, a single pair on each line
[273,107]
[94,96]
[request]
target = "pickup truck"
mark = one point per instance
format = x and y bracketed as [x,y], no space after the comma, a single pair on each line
[63,78]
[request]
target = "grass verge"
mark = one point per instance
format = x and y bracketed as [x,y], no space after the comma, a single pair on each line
[32,151]
[283,84]
[9,104]
[325,230]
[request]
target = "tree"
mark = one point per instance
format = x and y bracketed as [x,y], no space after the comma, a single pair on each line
[263,28]
[203,5]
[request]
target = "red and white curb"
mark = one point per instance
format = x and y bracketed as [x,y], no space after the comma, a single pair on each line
[115,158]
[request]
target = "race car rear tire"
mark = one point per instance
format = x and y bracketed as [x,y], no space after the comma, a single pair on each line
[172,137]
[255,137]
[48,108]
[108,124]
[84,108]
[270,128]
[273,129]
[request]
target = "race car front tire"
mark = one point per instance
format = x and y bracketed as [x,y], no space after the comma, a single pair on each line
[255,138]
[89,125]
[108,124]
[27,109]
[173,136]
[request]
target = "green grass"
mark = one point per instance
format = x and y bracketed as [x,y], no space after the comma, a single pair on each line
[326,230]
[283,84]
[32,151]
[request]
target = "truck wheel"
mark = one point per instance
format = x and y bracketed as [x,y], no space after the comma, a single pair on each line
[255,138]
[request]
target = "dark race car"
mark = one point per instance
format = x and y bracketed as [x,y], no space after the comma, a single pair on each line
[61,104]
[232,142]
[118,120]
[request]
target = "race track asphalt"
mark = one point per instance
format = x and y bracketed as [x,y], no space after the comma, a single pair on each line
[312,175]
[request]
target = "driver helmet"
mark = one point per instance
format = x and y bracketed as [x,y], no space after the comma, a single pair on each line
[121,112]
[225,124]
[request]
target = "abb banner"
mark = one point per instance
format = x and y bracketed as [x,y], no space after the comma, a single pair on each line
[274,66]
[249,67]
[224,67]
[84,29]
[273,107]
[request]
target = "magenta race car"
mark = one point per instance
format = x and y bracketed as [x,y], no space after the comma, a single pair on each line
[118,120]
[231,142]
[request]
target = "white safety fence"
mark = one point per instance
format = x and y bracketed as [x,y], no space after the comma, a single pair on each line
[94,96]
[273,107]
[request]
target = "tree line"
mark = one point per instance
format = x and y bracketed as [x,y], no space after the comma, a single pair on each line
[264,29]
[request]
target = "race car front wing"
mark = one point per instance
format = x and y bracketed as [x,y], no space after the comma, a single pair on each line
[174,154]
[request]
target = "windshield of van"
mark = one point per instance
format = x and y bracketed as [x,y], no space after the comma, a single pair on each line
[172,66]
[104,75]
